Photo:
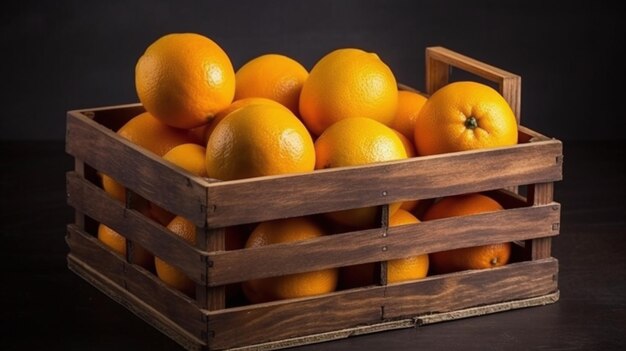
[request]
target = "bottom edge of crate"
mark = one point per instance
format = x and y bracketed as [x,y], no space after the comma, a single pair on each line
[414,322]
[189,342]
[135,305]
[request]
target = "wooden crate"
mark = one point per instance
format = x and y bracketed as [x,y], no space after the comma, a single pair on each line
[206,323]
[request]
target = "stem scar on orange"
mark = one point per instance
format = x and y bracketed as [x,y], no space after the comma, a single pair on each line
[464,116]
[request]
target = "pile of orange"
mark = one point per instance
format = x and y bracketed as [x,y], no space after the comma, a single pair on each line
[273,116]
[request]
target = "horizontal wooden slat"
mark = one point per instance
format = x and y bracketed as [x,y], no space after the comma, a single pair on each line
[95,203]
[377,245]
[239,201]
[345,309]
[135,281]
[134,167]
[459,291]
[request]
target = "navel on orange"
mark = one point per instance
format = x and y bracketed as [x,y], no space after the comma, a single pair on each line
[464,116]
[184,79]
[479,257]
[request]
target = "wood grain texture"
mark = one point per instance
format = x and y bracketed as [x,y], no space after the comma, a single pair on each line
[374,245]
[134,167]
[345,309]
[441,294]
[415,178]
[135,281]
[95,203]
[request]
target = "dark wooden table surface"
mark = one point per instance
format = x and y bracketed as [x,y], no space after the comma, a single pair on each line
[46,307]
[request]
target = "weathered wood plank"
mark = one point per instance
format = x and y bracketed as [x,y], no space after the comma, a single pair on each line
[345,309]
[137,282]
[374,245]
[403,323]
[134,167]
[284,319]
[95,203]
[415,178]
[472,288]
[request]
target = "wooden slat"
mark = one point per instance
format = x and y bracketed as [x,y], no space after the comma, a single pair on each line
[136,281]
[236,202]
[379,245]
[345,309]
[134,167]
[95,203]
[283,319]
[459,291]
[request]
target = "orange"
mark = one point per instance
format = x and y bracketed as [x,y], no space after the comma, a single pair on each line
[169,274]
[259,140]
[353,142]
[348,83]
[276,77]
[408,145]
[293,285]
[117,243]
[148,132]
[409,106]
[410,268]
[398,270]
[184,79]
[190,157]
[479,257]
[235,105]
[464,116]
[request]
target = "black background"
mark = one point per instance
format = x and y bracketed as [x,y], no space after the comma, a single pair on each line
[57,56]
[63,55]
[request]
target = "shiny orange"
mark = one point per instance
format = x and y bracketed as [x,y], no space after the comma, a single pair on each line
[409,106]
[272,76]
[184,79]
[348,83]
[259,140]
[464,116]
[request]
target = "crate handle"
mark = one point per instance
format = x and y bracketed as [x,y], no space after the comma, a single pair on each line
[439,60]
